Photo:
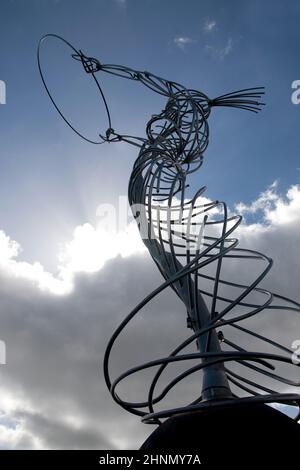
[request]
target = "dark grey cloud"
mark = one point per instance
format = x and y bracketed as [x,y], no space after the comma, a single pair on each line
[53,434]
[55,347]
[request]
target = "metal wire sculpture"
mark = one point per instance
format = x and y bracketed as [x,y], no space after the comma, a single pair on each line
[190,241]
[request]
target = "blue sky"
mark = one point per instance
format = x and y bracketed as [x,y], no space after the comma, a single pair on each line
[52,182]
[214,46]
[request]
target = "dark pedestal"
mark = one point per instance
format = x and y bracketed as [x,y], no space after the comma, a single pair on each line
[241,434]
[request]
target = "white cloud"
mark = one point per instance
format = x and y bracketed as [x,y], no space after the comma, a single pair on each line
[227,49]
[33,272]
[263,202]
[209,25]
[183,41]
[220,52]
[87,252]
[275,209]
[92,246]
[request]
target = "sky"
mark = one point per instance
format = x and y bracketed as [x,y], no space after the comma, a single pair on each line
[67,276]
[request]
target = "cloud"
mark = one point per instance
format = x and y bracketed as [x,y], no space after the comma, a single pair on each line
[29,430]
[209,26]
[274,208]
[53,433]
[264,202]
[90,247]
[220,52]
[53,393]
[227,49]
[35,273]
[183,42]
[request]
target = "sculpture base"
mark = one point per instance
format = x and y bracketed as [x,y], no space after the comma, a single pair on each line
[239,433]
